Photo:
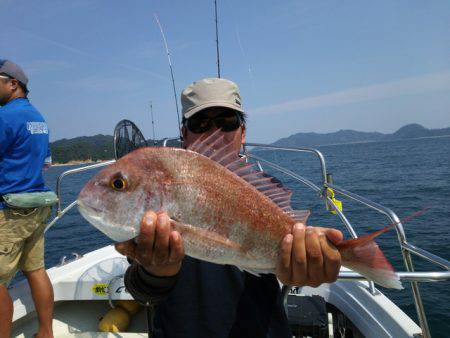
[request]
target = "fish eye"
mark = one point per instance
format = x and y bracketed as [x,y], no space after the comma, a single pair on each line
[119,184]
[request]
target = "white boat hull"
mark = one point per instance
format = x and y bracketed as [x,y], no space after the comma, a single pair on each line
[84,287]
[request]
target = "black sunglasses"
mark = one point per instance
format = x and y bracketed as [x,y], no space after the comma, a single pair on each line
[226,121]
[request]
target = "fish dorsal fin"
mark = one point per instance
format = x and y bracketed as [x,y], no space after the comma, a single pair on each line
[217,149]
[204,143]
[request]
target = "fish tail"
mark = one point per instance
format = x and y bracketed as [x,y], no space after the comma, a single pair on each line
[365,257]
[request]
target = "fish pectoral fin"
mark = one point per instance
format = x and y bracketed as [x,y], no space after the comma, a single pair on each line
[190,233]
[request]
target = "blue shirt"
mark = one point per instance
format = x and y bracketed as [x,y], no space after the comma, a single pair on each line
[24,148]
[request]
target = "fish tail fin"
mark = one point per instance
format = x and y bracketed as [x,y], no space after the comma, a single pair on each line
[365,257]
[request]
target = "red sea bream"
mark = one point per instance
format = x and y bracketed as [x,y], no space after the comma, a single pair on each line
[226,211]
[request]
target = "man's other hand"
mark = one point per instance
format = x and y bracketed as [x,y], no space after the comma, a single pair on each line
[158,249]
[308,257]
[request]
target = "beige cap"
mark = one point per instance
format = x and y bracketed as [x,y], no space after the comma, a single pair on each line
[212,92]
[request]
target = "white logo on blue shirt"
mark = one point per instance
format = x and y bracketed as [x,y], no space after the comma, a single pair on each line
[37,127]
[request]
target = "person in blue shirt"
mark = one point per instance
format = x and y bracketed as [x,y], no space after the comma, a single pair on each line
[24,154]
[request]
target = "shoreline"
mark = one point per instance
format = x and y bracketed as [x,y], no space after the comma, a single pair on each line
[72,163]
[368,141]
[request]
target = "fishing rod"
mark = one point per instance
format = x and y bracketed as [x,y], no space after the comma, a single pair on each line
[171,72]
[217,40]
[153,123]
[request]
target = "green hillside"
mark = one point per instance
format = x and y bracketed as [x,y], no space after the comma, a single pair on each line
[85,148]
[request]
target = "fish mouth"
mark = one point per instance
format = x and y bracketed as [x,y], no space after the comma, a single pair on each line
[82,205]
[97,217]
[88,210]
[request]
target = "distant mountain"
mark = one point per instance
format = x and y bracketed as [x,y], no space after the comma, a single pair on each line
[410,131]
[416,130]
[90,148]
[348,136]
[341,136]
[85,148]
[100,147]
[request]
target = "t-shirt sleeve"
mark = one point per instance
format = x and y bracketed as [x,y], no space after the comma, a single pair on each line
[6,137]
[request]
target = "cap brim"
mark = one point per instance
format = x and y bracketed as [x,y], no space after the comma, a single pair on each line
[195,110]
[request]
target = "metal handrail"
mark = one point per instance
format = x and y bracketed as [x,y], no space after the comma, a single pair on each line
[375,206]
[167,139]
[427,255]
[316,152]
[407,259]
[60,213]
[350,229]
[74,171]
[416,276]
[287,172]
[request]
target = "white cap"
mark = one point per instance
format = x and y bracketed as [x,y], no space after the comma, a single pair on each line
[212,92]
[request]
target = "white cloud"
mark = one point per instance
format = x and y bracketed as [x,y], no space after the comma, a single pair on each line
[407,86]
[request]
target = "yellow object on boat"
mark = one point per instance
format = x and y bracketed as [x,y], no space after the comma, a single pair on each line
[337,203]
[115,320]
[131,306]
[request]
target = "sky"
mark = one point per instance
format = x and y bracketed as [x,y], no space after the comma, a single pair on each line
[302,66]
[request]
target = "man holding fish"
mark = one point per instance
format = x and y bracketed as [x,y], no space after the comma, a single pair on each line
[216,207]
[201,299]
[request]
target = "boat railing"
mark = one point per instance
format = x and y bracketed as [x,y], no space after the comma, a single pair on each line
[323,191]
[406,248]
[60,212]
[168,139]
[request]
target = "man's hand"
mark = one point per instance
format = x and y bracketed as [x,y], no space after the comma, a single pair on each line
[158,249]
[308,258]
